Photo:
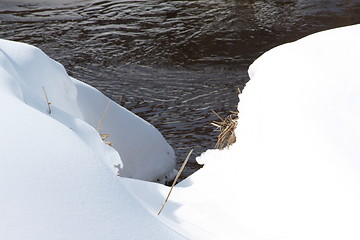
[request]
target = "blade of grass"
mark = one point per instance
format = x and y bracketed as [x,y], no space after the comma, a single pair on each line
[103,116]
[217,115]
[47,100]
[175,180]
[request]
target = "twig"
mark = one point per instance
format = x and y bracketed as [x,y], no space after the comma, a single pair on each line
[217,115]
[47,100]
[103,116]
[175,180]
[103,135]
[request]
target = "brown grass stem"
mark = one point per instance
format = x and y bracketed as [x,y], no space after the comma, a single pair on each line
[103,116]
[175,180]
[104,136]
[47,100]
[217,115]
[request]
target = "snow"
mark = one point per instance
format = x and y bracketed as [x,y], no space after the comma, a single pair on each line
[294,171]
[144,152]
[292,174]
[28,71]
[57,177]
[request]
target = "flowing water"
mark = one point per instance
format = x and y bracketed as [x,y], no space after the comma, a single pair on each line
[170,62]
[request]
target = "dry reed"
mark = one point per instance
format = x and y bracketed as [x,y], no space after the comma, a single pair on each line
[175,180]
[103,116]
[47,100]
[227,128]
[103,135]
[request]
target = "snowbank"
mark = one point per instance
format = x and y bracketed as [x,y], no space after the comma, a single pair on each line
[144,152]
[57,176]
[27,72]
[294,172]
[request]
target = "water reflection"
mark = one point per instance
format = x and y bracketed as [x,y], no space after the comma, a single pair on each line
[170,62]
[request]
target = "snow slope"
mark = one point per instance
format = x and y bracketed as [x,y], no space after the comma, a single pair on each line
[294,172]
[57,179]
[144,152]
[27,71]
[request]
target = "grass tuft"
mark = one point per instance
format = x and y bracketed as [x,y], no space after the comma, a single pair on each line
[227,128]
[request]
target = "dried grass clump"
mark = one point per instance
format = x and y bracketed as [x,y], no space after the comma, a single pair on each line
[227,128]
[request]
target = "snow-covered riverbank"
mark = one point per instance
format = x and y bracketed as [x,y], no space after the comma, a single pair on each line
[57,176]
[292,174]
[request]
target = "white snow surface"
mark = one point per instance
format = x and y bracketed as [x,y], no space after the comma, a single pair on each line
[294,172]
[26,71]
[57,176]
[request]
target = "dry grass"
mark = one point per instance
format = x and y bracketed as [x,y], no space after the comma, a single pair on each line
[103,116]
[227,128]
[175,180]
[47,100]
[104,136]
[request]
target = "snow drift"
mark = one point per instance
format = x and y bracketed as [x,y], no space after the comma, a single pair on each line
[27,72]
[294,172]
[57,176]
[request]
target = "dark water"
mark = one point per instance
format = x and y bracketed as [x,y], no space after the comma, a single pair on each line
[170,62]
